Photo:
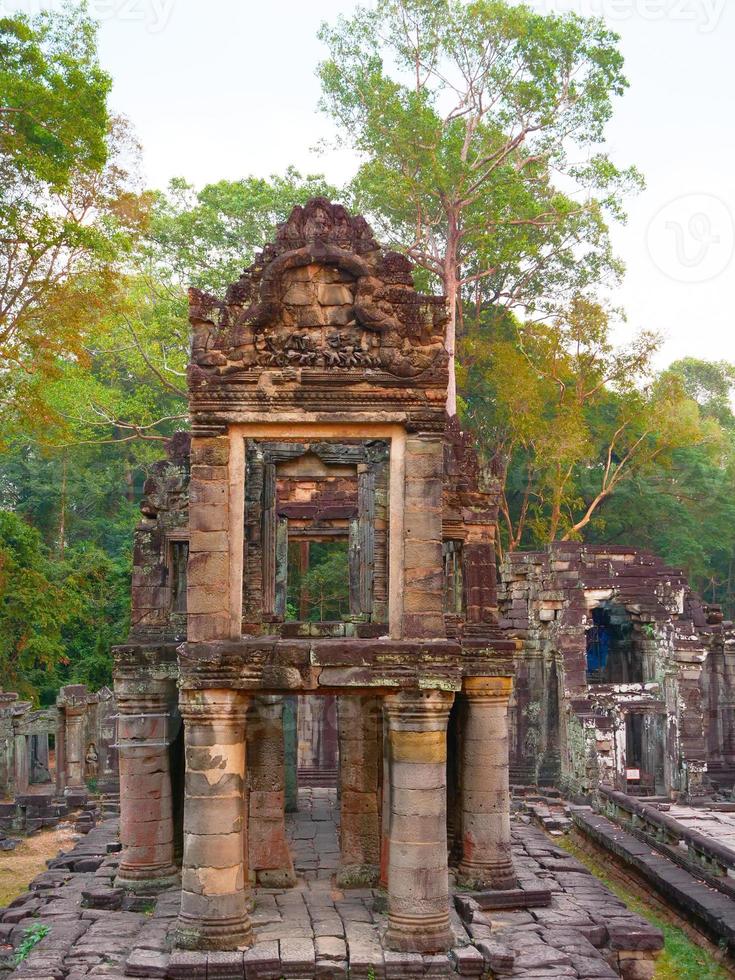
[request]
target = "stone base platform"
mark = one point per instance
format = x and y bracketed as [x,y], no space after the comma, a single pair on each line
[316,930]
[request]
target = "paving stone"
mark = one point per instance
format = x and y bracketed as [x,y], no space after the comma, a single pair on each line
[262,962]
[398,965]
[437,965]
[467,961]
[499,958]
[224,965]
[332,926]
[186,965]
[330,970]
[297,957]
[330,948]
[541,956]
[592,967]
[147,963]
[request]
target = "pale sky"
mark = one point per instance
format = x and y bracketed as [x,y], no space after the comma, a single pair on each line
[225,88]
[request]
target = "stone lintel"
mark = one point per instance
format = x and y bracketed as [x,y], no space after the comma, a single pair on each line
[276,665]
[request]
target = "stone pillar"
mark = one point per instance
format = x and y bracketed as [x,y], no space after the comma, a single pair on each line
[270,855]
[423,586]
[486,856]
[74,741]
[215,891]
[146,812]
[20,759]
[360,725]
[60,752]
[291,753]
[418,881]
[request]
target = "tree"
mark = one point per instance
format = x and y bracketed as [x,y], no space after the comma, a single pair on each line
[685,511]
[463,113]
[206,238]
[62,194]
[33,607]
[711,385]
[571,418]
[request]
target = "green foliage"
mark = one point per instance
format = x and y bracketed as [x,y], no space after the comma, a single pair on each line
[205,239]
[572,419]
[58,617]
[33,606]
[67,205]
[685,510]
[77,477]
[131,385]
[32,936]
[53,97]
[323,588]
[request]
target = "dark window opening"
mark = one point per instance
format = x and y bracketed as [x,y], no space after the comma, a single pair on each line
[179,559]
[633,740]
[453,581]
[614,655]
[318,580]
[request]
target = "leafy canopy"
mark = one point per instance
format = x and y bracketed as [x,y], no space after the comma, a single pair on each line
[571,418]
[471,120]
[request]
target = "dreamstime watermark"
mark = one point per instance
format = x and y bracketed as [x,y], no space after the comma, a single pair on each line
[154,15]
[691,239]
[704,15]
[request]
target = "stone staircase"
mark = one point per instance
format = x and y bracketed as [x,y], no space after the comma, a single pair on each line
[544,806]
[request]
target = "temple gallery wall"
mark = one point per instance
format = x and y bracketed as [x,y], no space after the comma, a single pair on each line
[315,599]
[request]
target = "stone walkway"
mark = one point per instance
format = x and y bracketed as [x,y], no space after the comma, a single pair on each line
[318,931]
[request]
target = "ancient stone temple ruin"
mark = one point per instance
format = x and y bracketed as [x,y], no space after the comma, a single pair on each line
[52,754]
[625,677]
[323,534]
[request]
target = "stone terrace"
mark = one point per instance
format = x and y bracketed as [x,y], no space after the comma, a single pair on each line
[317,930]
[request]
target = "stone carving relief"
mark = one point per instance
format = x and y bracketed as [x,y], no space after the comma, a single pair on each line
[322,296]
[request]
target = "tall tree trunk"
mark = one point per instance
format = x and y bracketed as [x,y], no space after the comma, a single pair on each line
[450,290]
[129,482]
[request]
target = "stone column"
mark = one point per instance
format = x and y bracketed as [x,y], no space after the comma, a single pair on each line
[74,743]
[360,724]
[270,855]
[423,582]
[291,753]
[146,812]
[60,752]
[418,882]
[20,759]
[486,855]
[215,890]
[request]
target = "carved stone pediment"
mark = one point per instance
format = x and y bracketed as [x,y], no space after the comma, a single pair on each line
[323,296]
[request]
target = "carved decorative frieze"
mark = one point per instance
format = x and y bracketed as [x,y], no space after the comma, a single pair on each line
[323,298]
